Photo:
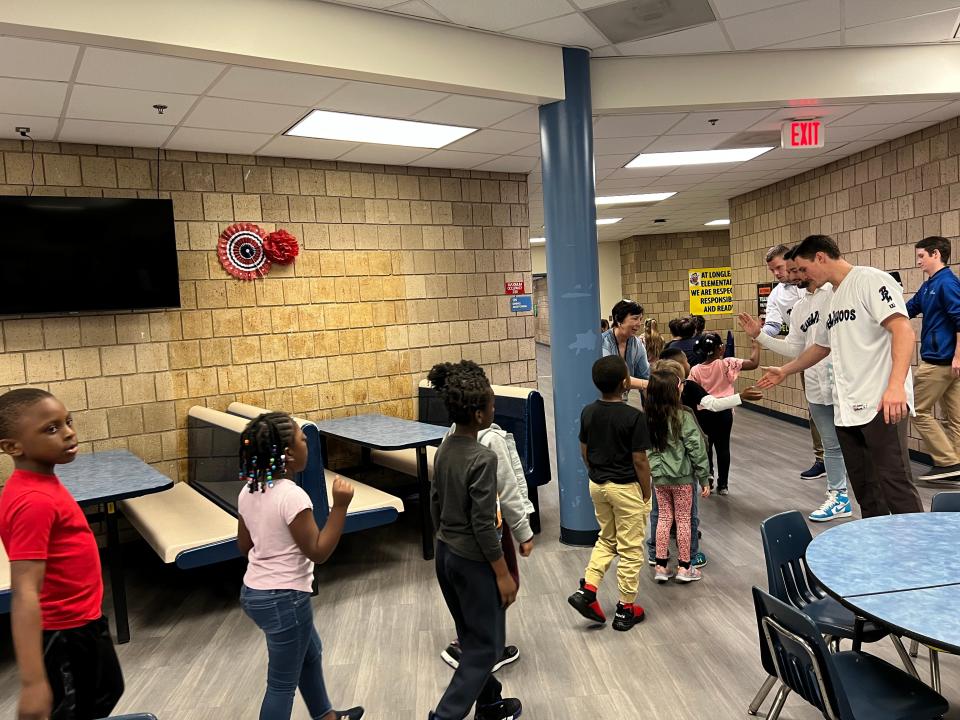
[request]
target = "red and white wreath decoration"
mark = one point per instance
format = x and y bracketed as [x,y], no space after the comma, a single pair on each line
[247,253]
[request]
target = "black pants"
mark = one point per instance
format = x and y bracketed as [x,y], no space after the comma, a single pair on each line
[83,671]
[879,467]
[470,591]
[717,426]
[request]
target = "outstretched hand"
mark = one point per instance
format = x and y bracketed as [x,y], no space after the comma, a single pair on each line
[752,394]
[771,376]
[749,324]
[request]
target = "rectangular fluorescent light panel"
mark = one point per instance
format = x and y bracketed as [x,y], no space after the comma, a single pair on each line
[327,125]
[725,221]
[630,199]
[608,221]
[696,157]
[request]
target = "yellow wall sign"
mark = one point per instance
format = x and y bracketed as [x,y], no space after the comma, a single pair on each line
[711,291]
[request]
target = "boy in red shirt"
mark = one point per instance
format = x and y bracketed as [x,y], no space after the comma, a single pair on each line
[68,667]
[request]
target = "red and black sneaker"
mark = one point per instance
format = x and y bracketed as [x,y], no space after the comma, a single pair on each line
[627,616]
[584,601]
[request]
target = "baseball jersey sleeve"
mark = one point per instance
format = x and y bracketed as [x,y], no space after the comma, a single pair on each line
[821,336]
[773,318]
[881,296]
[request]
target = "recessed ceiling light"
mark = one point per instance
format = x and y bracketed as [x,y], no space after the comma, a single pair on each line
[629,199]
[725,221]
[608,221]
[696,157]
[328,125]
[537,241]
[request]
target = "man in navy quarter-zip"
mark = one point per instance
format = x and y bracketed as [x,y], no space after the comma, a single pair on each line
[938,376]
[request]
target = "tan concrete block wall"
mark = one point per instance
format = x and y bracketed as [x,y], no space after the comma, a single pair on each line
[400,268]
[654,273]
[876,204]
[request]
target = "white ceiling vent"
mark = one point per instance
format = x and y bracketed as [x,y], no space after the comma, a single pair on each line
[639,19]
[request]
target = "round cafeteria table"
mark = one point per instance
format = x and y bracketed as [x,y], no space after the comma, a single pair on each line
[901,571]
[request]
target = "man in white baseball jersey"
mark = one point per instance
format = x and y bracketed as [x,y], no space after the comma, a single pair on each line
[810,311]
[871,342]
[780,304]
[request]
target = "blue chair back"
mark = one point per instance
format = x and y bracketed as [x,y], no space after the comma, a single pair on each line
[785,539]
[799,655]
[946,502]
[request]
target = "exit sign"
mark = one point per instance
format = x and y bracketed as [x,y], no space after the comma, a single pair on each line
[802,134]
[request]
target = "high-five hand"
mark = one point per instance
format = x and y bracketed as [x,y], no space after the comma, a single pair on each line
[771,376]
[749,325]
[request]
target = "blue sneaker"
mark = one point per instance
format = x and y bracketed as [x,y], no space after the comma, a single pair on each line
[837,505]
[698,560]
[817,470]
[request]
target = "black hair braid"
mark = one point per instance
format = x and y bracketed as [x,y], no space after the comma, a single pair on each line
[263,449]
[708,344]
[463,386]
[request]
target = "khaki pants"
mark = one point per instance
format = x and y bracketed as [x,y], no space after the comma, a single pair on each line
[933,384]
[622,514]
[814,432]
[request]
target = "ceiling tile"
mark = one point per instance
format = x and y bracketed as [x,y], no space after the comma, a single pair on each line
[454,159]
[866,12]
[499,142]
[376,4]
[41,128]
[898,130]
[940,114]
[729,8]
[532,150]
[830,39]
[702,39]
[615,162]
[571,30]
[526,121]
[619,126]
[678,143]
[934,27]
[142,71]
[383,154]
[114,133]
[220,114]
[418,8]
[36,59]
[88,102]
[727,121]
[273,86]
[509,163]
[471,111]
[222,141]
[32,97]
[307,148]
[832,112]
[382,100]
[500,14]
[877,113]
[590,4]
[780,24]
[605,51]
[620,146]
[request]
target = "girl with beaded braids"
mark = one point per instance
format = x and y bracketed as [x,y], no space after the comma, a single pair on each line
[471,569]
[279,535]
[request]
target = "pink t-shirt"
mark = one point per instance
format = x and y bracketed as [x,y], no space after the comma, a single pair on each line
[718,377]
[275,562]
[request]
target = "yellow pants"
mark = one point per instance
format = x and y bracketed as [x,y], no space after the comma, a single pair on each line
[623,516]
[933,384]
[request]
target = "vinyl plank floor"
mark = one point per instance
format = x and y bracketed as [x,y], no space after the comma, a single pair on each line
[195,656]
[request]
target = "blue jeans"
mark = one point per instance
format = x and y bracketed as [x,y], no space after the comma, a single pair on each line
[694,525]
[832,455]
[293,648]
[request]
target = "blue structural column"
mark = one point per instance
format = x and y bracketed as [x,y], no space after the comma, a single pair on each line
[566,143]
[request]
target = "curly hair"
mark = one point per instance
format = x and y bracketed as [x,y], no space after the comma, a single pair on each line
[464,388]
[263,448]
[663,408]
[708,343]
[13,403]
[652,339]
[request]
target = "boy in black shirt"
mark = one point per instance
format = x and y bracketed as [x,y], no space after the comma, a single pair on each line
[613,442]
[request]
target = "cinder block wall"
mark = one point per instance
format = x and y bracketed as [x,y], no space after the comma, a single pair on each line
[400,268]
[876,204]
[654,273]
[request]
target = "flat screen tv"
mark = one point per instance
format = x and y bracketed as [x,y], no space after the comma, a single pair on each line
[63,255]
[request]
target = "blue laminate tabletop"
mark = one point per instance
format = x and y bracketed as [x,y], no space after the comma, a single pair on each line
[110,476]
[382,432]
[887,554]
[927,614]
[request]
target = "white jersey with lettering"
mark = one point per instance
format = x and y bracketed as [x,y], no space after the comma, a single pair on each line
[860,345]
[811,311]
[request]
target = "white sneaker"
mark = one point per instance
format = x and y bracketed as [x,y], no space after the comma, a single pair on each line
[837,505]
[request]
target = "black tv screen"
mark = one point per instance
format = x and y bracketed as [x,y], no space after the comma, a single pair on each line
[60,254]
